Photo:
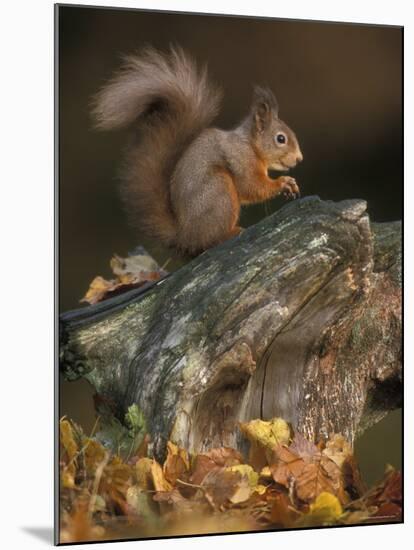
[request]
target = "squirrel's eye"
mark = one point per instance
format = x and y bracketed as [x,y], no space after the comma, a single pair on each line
[281,138]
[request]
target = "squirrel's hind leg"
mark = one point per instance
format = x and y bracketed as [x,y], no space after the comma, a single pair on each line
[208,213]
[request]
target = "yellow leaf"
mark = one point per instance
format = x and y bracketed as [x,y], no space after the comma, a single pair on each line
[160,483]
[71,448]
[324,511]
[267,433]
[116,460]
[246,471]
[117,474]
[143,472]
[68,479]
[67,439]
[177,463]
[97,289]
[261,489]
[328,504]
[94,454]
[174,450]
[266,472]
[247,484]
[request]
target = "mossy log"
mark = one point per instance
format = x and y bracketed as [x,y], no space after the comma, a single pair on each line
[298,317]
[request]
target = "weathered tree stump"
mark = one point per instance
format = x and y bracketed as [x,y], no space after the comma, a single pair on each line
[298,317]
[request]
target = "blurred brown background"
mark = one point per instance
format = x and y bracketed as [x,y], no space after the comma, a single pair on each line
[339,87]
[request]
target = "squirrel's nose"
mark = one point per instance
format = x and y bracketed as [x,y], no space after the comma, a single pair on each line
[299,157]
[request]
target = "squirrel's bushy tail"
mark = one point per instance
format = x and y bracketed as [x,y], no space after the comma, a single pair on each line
[172,102]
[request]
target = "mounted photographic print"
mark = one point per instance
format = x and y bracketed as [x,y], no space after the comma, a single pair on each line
[229,274]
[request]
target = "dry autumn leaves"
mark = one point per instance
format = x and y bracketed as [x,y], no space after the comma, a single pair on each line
[286,482]
[129,273]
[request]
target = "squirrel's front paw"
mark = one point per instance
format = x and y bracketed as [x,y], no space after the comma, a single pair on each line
[289,188]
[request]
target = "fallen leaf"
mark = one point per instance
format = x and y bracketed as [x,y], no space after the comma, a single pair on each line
[243,491]
[383,502]
[337,449]
[247,484]
[79,526]
[105,494]
[67,439]
[353,481]
[326,510]
[310,470]
[245,470]
[266,473]
[143,473]
[264,436]
[139,504]
[131,272]
[158,478]
[282,513]
[177,463]
[211,460]
[267,433]
[94,454]
[224,456]
[132,265]
[389,511]
[70,448]
[220,485]
[98,289]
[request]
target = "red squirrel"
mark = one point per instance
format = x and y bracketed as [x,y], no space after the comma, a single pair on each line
[184,182]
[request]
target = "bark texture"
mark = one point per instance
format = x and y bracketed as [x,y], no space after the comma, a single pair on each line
[298,317]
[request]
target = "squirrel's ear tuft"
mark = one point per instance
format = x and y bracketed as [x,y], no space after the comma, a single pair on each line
[264,107]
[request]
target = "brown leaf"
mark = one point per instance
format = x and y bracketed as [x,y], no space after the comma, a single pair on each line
[389,511]
[243,491]
[282,513]
[392,488]
[286,465]
[224,456]
[357,517]
[97,290]
[143,473]
[353,481]
[311,470]
[158,478]
[70,451]
[387,491]
[202,465]
[177,463]
[173,505]
[117,475]
[211,460]
[140,505]
[337,449]
[67,439]
[141,452]
[304,485]
[220,485]
[304,448]
[258,456]
[94,454]
[131,272]
[313,481]
[79,526]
